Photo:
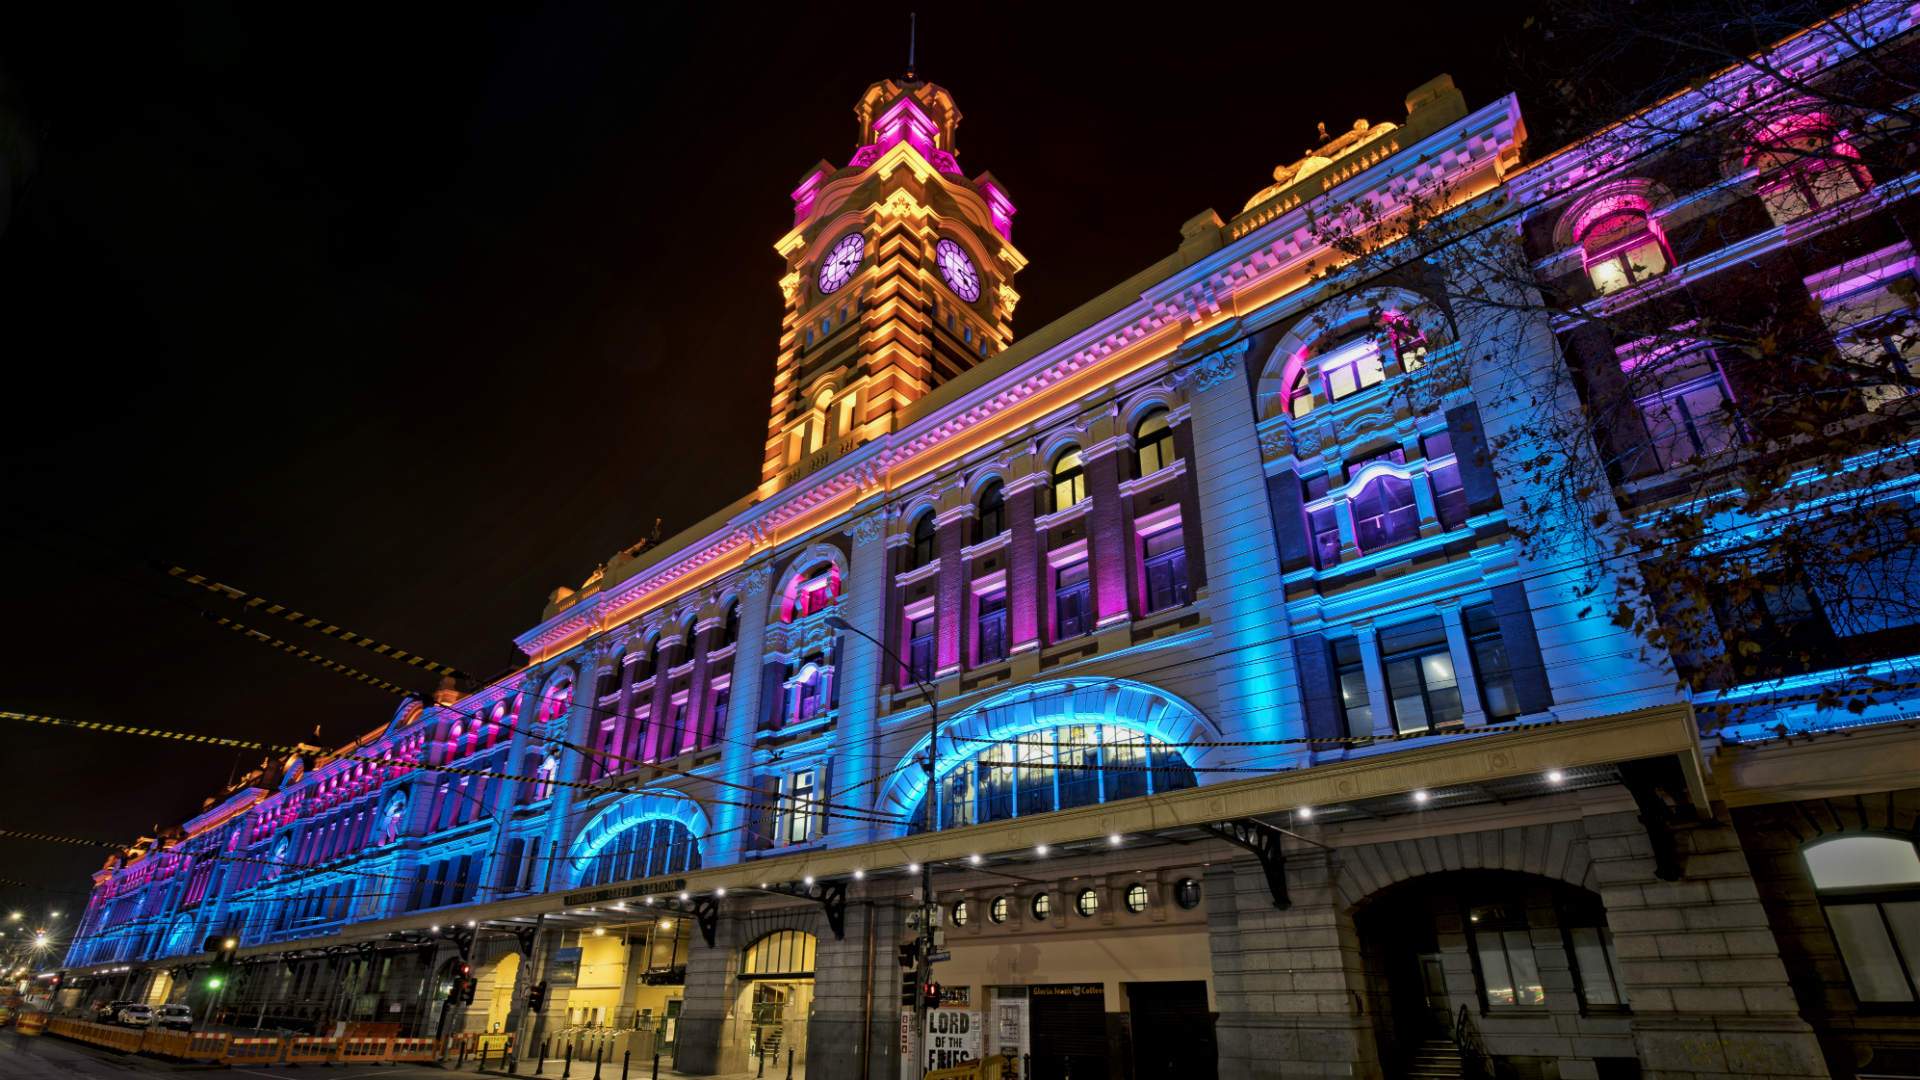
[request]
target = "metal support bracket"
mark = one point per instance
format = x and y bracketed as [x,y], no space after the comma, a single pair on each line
[526,935]
[1660,792]
[1264,841]
[706,911]
[830,895]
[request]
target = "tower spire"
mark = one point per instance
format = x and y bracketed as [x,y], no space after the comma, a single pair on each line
[913,33]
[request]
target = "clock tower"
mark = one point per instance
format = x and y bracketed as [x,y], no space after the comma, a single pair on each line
[899,277]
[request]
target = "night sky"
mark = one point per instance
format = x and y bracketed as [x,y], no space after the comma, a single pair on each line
[405,317]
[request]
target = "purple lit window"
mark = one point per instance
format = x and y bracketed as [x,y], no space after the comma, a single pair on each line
[992,646]
[1622,248]
[1324,524]
[1384,514]
[920,649]
[1071,596]
[1449,498]
[1692,420]
[1164,559]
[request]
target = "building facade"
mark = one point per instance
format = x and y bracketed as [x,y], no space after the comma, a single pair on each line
[1281,729]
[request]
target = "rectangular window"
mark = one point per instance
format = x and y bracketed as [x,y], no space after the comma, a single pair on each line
[1071,595]
[1350,674]
[996,791]
[1079,766]
[1449,497]
[992,628]
[1324,524]
[958,798]
[1509,972]
[1034,752]
[1165,558]
[1491,668]
[1691,420]
[1125,757]
[1352,369]
[1881,946]
[1597,966]
[1420,677]
[722,699]
[920,649]
[799,815]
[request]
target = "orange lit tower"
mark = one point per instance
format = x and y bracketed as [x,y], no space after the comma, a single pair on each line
[899,277]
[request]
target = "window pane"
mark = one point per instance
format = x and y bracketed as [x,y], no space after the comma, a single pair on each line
[1493,970]
[1905,919]
[1341,382]
[1526,973]
[1855,861]
[1868,951]
[1590,957]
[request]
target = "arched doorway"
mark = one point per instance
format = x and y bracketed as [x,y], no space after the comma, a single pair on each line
[500,1003]
[776,998]
[1503,954]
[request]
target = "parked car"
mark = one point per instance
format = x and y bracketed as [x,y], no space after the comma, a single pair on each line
[108,1012]
[177,1017]
[135,1015]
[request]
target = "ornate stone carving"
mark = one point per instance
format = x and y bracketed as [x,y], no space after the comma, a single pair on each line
[868,529]
[755,583]
[1215,368]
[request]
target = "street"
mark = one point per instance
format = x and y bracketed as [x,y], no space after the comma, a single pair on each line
[46,1057]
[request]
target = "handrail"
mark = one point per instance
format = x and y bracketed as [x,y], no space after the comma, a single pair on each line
[1473,1052]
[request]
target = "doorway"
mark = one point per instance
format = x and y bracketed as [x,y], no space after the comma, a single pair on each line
[1172,1030]
[775,1002]
[1069,1030]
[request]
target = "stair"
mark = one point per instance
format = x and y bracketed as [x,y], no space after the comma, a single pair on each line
[1435,1059]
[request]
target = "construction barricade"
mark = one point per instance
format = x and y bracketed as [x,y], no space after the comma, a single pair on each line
[31,1023]
[364,1050]
[311,1050]
[414,1050]
[173,1044]
[252,1050]
[207,1045]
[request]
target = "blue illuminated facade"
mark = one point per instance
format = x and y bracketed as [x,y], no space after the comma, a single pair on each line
[1237,522]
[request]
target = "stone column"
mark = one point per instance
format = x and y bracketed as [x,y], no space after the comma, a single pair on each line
[1107,533]
[1703,976]
[1193,533]
[1024,590]
[1290,984]
[1382,705]
[863,603]
[1259,694]
[1473,715]
[743,718]
[703,1045]
[856,995]
[950,609]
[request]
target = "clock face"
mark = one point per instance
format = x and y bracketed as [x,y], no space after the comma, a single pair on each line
[842,261]
[957,270]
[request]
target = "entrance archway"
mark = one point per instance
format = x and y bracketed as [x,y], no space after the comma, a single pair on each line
[1499,952]
[505,973]
[776,998]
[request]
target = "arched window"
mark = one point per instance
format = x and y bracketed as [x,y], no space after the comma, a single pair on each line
[923,541]
[1069,479]
[1384,513]
[809,689]
[783,954]
[1300,400]
[558,700]
[1055,769]
[689,636]
[1805,165]
[810,591]
[653,659]
[1870,888]
[1351,365]
[730,630]
[1621,244]
[1152,443]
[649,847]
[993,511]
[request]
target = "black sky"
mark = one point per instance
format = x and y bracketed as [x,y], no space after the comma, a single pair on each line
[406,315]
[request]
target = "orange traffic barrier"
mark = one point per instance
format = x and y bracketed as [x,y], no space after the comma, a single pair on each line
[207,1045]
[311,1050]
[364,1051]
[31,1023]
[415,1050]
[165,1043]
[253,1050]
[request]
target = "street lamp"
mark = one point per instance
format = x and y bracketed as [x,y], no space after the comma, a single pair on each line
[928,909]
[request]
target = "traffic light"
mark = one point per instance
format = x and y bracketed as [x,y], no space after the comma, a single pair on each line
[223,948]
[468,987]
[930,995]
[536,996]
[909,954]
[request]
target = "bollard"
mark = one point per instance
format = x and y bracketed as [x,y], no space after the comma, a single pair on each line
[566,1071]
[626,1058]
[1026,1064]
[789,1063]
[483,1055]
[656,1065]
[599,1054]
[762,1054]
[461,1063]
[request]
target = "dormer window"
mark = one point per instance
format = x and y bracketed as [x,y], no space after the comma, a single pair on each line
[1804,165]
[1622,246]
